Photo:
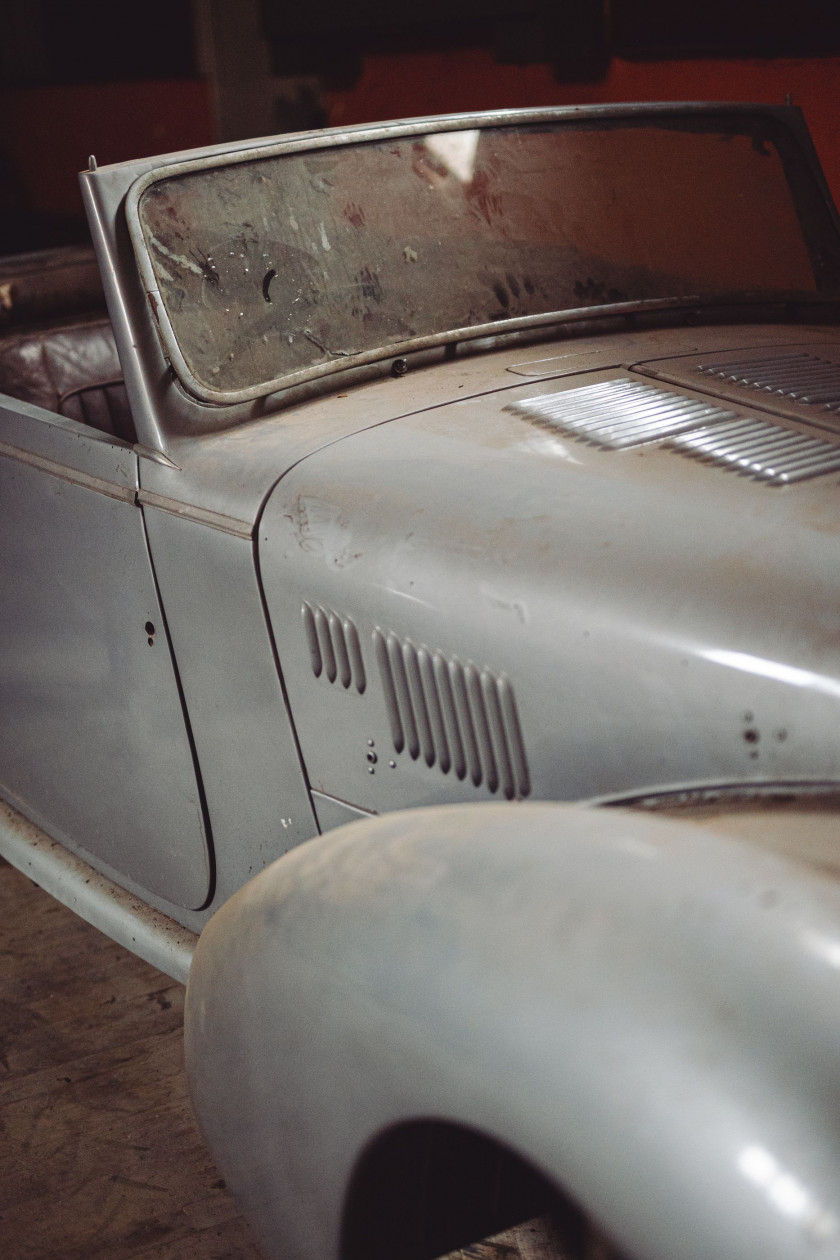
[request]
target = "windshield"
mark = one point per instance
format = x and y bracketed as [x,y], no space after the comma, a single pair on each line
[282,267]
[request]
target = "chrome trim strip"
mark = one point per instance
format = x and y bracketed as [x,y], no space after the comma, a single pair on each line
[74,475]
[399,348]
[202,516]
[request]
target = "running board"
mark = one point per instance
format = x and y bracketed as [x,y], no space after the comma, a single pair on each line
[119,914]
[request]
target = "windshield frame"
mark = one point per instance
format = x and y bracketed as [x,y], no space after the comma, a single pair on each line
[790,119]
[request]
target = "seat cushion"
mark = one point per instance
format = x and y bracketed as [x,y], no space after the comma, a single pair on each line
[72,370]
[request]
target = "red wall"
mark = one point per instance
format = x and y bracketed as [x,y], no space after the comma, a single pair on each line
[433,83]
[48,132]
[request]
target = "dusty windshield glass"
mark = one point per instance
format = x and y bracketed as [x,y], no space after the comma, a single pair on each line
[275,267]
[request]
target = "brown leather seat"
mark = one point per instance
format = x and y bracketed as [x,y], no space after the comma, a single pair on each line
[72,370]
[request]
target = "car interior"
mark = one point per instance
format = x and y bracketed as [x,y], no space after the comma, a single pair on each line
[57,347]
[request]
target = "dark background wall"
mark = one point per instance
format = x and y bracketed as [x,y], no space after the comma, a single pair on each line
[89,76]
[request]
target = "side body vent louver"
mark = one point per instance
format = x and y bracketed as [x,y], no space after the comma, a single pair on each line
[455,716]
[620,415]
[805,378]
[334,648]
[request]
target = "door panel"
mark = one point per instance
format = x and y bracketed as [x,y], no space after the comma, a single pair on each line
[94,745]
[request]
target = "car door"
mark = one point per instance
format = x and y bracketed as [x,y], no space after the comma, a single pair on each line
[94,741]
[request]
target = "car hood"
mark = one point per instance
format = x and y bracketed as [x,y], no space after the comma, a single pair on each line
[616,580]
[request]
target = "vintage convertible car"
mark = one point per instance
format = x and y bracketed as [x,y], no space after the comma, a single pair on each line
[464,490]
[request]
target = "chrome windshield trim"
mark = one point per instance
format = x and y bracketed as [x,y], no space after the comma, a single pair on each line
[475,332]
[336,137]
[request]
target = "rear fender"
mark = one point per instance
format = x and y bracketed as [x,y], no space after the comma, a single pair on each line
[646,1013]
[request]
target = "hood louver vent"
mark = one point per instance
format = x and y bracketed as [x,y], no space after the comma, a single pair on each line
[621,415]
[455,716]
[804,378]
[334,648]
[763,451]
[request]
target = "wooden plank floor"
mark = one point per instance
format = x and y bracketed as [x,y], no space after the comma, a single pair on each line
[100,1155]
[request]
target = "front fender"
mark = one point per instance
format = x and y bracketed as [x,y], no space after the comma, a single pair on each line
[648,1013]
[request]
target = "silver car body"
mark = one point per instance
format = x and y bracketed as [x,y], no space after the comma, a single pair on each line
[587,555]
